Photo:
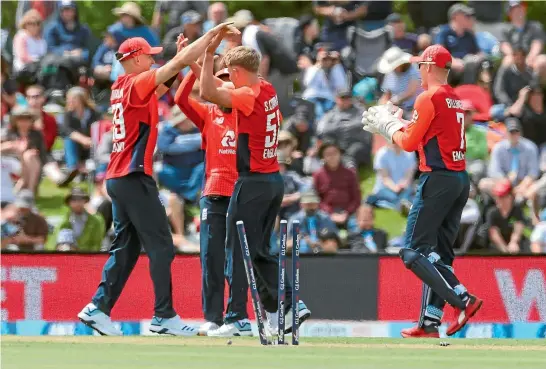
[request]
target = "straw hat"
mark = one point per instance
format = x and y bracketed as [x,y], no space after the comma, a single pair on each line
[392,59]
[131,9]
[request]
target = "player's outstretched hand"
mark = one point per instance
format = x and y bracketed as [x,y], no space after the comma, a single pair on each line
[181,42]
[225,28]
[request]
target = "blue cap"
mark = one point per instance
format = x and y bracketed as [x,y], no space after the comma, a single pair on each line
[190,17]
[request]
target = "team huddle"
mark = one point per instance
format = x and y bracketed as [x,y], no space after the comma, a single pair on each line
[240,129]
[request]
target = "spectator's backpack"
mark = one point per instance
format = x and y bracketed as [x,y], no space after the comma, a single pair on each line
[54,74]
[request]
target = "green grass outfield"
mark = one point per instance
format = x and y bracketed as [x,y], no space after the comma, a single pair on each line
[89,352]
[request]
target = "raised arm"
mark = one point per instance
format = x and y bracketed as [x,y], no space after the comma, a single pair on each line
[207,86]
[191,53]
[410,138]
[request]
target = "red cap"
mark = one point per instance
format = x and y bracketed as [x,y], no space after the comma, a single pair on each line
[434,54]
[502,188]
[135,46]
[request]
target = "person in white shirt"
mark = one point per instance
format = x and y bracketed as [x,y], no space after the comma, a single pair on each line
[29,46]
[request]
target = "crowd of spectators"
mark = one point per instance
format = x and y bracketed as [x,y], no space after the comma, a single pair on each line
[56,119]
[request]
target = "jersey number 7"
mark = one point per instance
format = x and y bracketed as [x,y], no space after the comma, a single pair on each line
[460,119]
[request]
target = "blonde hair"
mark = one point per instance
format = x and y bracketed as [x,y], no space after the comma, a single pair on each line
[30,16]
[244,57]
[83,95]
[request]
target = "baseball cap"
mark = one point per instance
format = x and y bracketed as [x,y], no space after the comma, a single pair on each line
[459,8]
[134,47]
[502,188]
[190,17]
[394,18]
[512,124]
[25,199]
[344,93]
[67,4]
[309,197]
[434,54]
[514,3]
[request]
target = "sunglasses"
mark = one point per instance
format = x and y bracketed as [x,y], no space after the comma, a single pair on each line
[121,56]
[34,23]
[31,97]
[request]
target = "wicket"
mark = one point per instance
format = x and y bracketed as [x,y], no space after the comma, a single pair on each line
[295,281]
[258,307]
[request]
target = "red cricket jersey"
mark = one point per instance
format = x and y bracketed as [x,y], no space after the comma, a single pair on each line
[135,118]
[219,140]
[436,131]
[258,123]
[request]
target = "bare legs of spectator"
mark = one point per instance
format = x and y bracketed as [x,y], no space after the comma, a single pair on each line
[31,168]
[532,194]
[175,213]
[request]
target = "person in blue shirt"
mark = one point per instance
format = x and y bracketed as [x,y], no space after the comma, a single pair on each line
[183,166]
[131,23]
[366,238]
[318,232]
[66,36]
[293,187]
[395,169]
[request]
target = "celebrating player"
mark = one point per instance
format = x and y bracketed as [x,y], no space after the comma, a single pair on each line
[258,193]
[436,131]
[217,125]
[139,217]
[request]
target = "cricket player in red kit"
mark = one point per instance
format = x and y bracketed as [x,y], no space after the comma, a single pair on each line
[436,131]
[217,126]
[140,220]
[258,192]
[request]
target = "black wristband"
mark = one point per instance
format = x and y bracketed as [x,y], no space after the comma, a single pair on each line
[170,82]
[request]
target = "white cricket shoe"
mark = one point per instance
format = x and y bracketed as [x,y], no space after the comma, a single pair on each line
[92,317]
[206,327]
[303,312]
[237,329]
[173,326]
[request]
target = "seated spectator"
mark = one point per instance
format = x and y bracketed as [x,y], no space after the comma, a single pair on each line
[45,122]
[10,168]
[337,186]
[79,114]
[400,38]
[343,125]
[538,237]
[288,149]
[216,14]
[529,108]
[477,151]
[506,221]
[338,17]
[191,26]
[293,187]
[175,9]
[301,126]
[26,144]
[366,238]
[317,231]
[323,81]
[183,167]
[66,241]
[29,45]
[521,30]
[487,42]
[510,83]
[458,38]
[67,36]
[402,82]
[515,159]
[87,229]
[103,60]
[131,23]
[395,170]
[306,40]
[29,229]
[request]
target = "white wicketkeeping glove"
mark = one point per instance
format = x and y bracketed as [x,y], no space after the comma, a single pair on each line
[379,119]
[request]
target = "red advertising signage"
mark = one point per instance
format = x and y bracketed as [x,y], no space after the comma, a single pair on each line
[57,287]
[513,288]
